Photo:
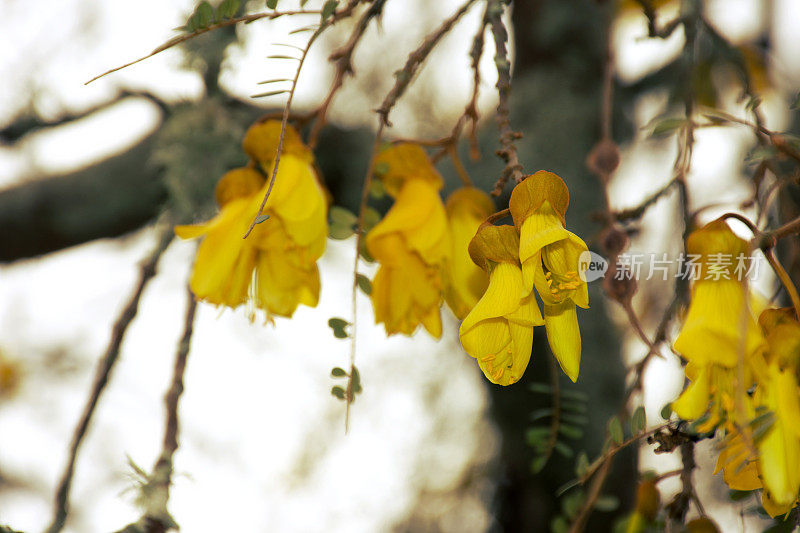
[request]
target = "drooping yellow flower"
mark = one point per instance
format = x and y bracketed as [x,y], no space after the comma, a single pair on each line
[549,254]
[274,269]
[466,209]
[498,331]
[719,327]
[411,244]
[719,323]
[779,449]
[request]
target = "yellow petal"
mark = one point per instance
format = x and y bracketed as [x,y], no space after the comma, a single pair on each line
[693,402]
[502,296]
[718,318]
[528,196]
[405,161]
[564,336]
[238,183]
[261,142]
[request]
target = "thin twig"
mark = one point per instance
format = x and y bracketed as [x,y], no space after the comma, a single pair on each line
[185,37]
[508,150]
[415,60]
[362,209]
[162,470]
[287,108]
[102,374]
[343,59]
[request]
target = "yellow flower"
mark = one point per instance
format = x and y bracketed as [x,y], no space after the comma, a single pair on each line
[498,332]
[739,466]
[274,269]
[718,313]
[779,449]
[411,244]
[549,255]
[466,208]
[261,142]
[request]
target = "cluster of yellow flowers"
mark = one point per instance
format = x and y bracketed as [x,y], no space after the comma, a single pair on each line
[275,268]
[427,252]
[743,367]
[489,275]
[537,255]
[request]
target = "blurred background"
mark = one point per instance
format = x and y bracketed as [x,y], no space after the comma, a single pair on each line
[85,171]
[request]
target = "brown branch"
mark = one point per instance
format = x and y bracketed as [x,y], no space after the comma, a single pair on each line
[415,60]
[653,30]
[159,484]
[102,374]
[508,150]
[185,37]
[343,59]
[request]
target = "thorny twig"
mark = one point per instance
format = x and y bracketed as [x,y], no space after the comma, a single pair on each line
[415,60]
[102,374]
[156,518]
[343,59]
[508,150]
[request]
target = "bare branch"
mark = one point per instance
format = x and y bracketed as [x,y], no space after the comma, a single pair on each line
[102,374]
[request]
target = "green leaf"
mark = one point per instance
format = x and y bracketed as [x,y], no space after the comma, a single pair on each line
[537,436]
[272,4]
[328,9]
[571,432]
[227,9]
[364,253]
[356,381]
[541,388]
[539,414]
[340,215]
[581,464]
[575,407]
[376,189]
[371,218]
[638,421]
[579,420]
[205,14]
[563,449]
[261,218]
[364,284]
[668,126]
[338,326]
[559,524]
[338,392]
[577,395]
[339,232]
[381,169]
[269,93]
[666,411]
[538,463]
[338,372]
[615,430]
[607,503]
[571,503]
